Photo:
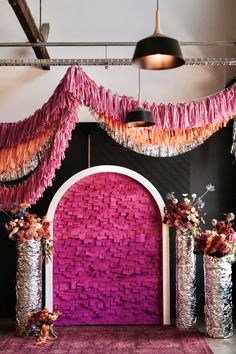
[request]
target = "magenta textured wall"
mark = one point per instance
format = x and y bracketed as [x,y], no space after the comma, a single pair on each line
[108,263]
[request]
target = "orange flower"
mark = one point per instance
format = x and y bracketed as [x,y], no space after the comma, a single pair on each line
[30,217]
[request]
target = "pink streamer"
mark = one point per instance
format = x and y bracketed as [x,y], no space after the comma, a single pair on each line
[77,85]
[75,89]
[33,187]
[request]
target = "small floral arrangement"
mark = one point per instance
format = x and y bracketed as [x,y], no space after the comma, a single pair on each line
[219,241]
[26,226]
[186,213]
[40,324]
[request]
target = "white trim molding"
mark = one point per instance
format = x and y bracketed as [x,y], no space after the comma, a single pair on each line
[165,230]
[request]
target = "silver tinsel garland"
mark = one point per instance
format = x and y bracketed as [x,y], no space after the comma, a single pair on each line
[149,149]
[29,166]
[233,147]
[28,282]
[185,280]
[218,296]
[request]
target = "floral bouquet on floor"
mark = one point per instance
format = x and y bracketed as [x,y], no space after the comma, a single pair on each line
[26,226]
[187,213]
[40,325]
[218,242]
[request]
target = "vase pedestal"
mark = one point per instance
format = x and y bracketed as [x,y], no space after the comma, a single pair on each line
[185,280]
[28,282]
[218,296]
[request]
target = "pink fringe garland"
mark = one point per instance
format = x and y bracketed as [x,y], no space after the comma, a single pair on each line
[77,85]
[33,187]
[76,89]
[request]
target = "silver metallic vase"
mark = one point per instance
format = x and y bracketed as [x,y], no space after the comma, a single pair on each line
[218,296]
[185,280]
[28,282]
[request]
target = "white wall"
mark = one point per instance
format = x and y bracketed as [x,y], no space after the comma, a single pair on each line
[24,89]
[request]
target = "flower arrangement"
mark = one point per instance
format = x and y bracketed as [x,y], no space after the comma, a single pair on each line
[186,213]
[26,226]
[219,241]
[40,324]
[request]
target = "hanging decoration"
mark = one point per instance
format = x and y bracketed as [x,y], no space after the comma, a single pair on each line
[233,147]
[33,148]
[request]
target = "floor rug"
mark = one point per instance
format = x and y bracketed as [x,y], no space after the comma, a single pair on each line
[113,340]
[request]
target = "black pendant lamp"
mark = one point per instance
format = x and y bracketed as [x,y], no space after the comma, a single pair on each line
[139,117]
[158,52]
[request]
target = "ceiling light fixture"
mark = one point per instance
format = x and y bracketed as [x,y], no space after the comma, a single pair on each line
[139,117]
[158,52]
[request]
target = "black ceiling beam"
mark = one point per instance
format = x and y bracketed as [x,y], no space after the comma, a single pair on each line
[24,15]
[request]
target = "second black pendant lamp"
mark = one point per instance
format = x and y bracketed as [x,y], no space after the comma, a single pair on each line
[139,117]
[158,52]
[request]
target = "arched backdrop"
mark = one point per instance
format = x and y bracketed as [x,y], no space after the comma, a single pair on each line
[112,259]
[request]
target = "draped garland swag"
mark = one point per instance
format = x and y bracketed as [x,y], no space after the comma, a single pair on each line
[34,147]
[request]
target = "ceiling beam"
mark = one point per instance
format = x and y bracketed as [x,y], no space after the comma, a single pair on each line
[24,15]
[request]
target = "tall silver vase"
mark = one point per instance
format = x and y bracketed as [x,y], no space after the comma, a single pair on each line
[28,282]
[185,280]
[218,296]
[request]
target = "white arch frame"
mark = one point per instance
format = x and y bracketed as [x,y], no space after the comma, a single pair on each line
[165,230]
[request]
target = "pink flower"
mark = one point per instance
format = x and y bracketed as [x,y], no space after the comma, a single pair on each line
[234,238]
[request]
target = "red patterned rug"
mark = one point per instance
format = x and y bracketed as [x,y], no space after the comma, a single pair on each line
[113,340]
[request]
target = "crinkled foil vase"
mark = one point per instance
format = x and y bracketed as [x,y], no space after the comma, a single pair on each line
[28,282]
[185,280]
[218,296]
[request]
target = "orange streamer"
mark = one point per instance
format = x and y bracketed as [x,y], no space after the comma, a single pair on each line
[14,157]
[154,136]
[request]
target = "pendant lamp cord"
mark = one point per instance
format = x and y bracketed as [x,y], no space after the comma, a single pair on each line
[157,27]
[139,89]
[40,13]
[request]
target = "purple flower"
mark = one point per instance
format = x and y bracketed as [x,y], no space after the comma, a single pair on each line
[200,203]
[188,225]
[22,213]
[170,195]
[210,187]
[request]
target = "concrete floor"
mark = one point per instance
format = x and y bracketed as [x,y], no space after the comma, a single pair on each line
[218,346]
[221,346]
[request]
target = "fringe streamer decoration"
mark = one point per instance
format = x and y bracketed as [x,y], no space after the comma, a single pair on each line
[12,158]
[233,147]
[178,128]
[25,169]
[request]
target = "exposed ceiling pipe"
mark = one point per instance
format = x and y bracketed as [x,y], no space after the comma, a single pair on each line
[108,44]
[109,61]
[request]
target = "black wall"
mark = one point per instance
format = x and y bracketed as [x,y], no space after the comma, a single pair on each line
[189,172]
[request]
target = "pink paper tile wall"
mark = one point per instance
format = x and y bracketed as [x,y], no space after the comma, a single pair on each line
[108,263]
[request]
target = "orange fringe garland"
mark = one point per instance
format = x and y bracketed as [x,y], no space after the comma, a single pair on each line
[154,136]
[15,157]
